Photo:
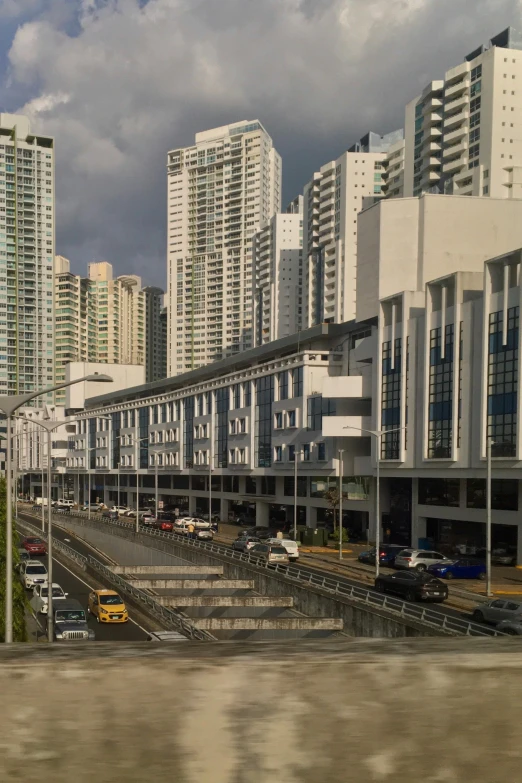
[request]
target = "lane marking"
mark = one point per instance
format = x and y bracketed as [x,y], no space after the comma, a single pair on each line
[94,588]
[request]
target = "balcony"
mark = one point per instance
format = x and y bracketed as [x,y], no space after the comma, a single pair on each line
[334,426]
[456,134]
[457,89]
[348,387]
[461,101]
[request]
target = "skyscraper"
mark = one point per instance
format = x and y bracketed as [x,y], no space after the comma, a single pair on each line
[97,318]
[26,258]
[332,200]
[277,269]
[155,350]
[220,191]
[462,132]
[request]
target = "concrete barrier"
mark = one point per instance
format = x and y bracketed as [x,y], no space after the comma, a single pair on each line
[192,584]
[361,711]
[200,570]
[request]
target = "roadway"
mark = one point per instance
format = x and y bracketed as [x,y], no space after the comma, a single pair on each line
[441,608]
[80,587]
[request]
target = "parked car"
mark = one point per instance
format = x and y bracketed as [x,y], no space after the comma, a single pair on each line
[198,523]
[112,515]
[387,554]
[40,600]
[260,532]
[23,554]
[419,559]
[291,546]
[60,509]
[511,627]
[459,569]
[92,506]
[107,607]
[501,556]
[158,524]
[412,586]
[120,509]
[64,502]
[497,610]
[272,553]
[32,573]
[34,545]
[245,543]
[204,534]
[166,636]
[70,622]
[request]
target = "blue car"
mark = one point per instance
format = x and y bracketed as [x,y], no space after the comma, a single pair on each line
[458,569]
[387,554]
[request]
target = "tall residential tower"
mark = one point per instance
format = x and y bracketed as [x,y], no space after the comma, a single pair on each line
[26,258]
[221,191]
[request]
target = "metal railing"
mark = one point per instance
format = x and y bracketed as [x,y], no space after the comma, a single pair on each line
[163,613]
[405,609]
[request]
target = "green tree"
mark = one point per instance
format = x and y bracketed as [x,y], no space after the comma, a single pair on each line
[332,498]
[19,600]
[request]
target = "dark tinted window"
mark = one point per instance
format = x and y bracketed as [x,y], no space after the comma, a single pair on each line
[439,492]
[513,607]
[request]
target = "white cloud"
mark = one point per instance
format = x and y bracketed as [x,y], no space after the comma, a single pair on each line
[133,82]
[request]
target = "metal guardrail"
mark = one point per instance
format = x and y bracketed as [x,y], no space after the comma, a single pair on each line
[406,610]
[166,615]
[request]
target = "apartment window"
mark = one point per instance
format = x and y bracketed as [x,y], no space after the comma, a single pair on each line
[291,453]
[221,429]
[439,492]
[474,135]
[188,430]
[503,383]
[474,151]
[317,408]
[242,425]
[391,399]
[232,427]
[247,394]
[236,395]
[321,452]
[475,89]
[485,190]
[297,382]
[278,454]
[232,456]
[282,385]
[306,452]
[278,419]
[504,494]
[474,120]
[475,104]
[291,419]
[476,73]
[440,414]
[263,421]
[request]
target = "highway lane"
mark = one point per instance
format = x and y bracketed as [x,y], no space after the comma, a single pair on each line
[315,570]
[79,588]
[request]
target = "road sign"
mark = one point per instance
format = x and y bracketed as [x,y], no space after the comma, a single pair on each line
[160,503]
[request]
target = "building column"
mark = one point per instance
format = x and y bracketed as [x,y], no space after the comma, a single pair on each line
[192,503]
[311,516]
[262,514]
[225,508]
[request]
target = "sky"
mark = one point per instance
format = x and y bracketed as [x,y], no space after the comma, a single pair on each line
[120,82]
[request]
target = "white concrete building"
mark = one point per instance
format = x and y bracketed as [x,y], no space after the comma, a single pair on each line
[332,199]
[277,267]
[393,173]
[27,237]
[221,191]
[463,132]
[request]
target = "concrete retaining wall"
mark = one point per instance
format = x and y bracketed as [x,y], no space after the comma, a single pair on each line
[359,620]
[362,711]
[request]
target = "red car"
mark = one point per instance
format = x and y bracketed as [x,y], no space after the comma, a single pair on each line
[162,524]
[35,546]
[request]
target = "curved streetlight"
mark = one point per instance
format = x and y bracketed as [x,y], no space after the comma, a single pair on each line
[8,405]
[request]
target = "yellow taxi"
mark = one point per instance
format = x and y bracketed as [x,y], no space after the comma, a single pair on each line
[107,607]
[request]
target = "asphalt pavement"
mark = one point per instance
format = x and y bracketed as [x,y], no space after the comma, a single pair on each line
[79,588]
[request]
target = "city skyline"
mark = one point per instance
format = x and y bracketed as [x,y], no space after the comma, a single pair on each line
[110,168]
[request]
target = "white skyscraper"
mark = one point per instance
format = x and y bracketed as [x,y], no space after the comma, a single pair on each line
[277,269]
[463,132]
[332,200]
[220,192]
[26,258]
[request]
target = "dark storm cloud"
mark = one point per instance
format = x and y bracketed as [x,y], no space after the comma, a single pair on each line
[133,80]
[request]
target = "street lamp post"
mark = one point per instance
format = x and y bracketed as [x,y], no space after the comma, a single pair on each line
[137,441]
[8,405]
[295,492]
[489,443]
[377,434]
[341,452]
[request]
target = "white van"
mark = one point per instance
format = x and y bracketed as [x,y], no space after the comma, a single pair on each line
[62,502]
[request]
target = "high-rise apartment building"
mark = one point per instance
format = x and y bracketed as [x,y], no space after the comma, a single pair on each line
[463,132]
[26,258]
[98,318]
[221,191]
[332,199]
[277,267]
[156,335]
